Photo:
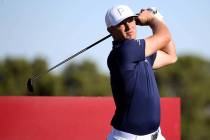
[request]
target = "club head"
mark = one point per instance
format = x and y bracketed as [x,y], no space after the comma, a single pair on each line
[29,85]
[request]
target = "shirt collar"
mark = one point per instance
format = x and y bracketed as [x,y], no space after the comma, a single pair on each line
[116,44]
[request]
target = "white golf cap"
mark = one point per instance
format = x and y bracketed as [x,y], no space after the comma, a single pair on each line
[117,14]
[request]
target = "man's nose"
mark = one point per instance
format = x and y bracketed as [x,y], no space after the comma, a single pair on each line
[127,26]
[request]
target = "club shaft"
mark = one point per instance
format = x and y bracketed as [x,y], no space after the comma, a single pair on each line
[37,76]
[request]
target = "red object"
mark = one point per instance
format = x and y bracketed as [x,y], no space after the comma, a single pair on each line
[71,118]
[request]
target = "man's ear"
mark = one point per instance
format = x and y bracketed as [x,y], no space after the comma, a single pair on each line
[110,30]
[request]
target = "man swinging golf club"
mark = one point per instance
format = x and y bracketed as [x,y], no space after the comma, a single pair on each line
[131,60]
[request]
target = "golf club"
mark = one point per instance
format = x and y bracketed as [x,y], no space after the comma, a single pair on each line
[38,76]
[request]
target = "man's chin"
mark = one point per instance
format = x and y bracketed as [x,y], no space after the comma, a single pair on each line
[130,37]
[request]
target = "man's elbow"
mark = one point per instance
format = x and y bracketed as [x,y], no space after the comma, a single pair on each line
[174,59]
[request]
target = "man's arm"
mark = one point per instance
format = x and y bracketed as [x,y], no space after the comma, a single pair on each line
[161,35]
[159,42]
[165,56]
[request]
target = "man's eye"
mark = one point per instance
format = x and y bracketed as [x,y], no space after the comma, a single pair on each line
[130,19]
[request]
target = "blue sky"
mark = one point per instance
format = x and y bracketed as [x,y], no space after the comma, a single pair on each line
[56,29]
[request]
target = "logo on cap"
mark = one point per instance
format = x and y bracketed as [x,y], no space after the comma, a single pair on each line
[117,14]
[120,10]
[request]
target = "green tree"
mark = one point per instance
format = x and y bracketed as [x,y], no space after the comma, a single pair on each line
[13,73]
[189,79]
[49,84]
[85,80]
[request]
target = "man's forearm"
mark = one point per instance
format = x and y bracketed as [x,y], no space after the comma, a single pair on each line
[170,49]
[161,33]
[165,56]
[160,38]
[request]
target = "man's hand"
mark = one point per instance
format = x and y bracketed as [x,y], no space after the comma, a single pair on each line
[144,17]
[156,13]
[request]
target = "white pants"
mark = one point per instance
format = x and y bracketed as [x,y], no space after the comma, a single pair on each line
[120,135]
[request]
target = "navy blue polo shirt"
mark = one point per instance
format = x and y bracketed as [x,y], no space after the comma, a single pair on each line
[134,88]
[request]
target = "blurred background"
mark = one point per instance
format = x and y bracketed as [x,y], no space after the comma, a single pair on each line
[36,35]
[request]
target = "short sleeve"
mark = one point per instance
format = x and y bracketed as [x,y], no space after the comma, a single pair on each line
[151,58]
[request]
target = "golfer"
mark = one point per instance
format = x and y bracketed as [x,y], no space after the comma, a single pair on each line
[131,63]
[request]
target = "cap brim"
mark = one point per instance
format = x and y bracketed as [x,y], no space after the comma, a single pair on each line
[125,19]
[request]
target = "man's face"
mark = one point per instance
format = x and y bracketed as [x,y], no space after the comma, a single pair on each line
[124,30]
